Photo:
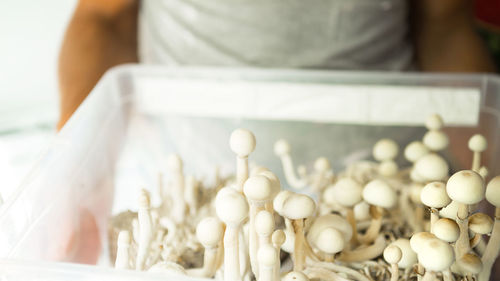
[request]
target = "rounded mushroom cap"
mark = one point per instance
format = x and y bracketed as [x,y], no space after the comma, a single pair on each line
[415,150]
[434,195]
[231,206]
[275,181]
[174,162]
[436,255]
[414,176]
[470,263]
[480,223]
[267,255]
[258,188]
[124,238]
[329,220]
[478,143]
[493,192]
[446,230]
[330,241]
[417,240]
[144,200]
[385,149]
[278,237]
[408,257]
[432,167]
[379,193]
[362,211]
[436,140]
[209,232]
[295,276]
[242,142]
[392,254]
[346,192]
[388,168]
[322,164]
[450,211]
[466,187]
[264,223]
[415,192]
[298,206]
[279,199]
[434,122]
[281,148]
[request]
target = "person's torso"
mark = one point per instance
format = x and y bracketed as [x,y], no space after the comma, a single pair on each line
[327,34]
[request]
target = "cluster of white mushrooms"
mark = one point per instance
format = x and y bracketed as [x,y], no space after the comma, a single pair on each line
[373,221]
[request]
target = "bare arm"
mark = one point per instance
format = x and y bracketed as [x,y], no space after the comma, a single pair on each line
[445,38]
[100,35]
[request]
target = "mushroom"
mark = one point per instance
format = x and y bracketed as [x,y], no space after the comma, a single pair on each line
[480,224]
[431,167]
[435,139]
[242,143]
[264,227]
[322,174]
[385,151]
[282,150]
[175,167]
[493,247]
[415,150]
[267,257]
[275,188]
[362,211]
[470,264]
[231,208]
[446,230]
[347,193]
[408,257]
[258,191]
[145,229]
[466,188]
[330,241]
[416,243]
[434,196]
[122,253]
[477,144]
[191,194]
[278,238]
[435,256]
[295,276]
[392,255]
[297,207]
[379,195]
[209,232]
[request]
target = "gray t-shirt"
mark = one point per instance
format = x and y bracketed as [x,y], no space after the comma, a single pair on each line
[324,34]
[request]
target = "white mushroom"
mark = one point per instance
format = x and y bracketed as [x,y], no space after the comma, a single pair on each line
[493,247]
[242,143]
[122,253]
[209,232]
[477,144]
[175,168]
[392,255]
[385,151]
[431,167]
[278,238]
[322,174]
[408,257]
[145,229]
[282,150]
[436,140]
[434,196]
[415,150]
[480,224]
[330,241]
[267,257]
[436,256]
[470,264]
[446,230]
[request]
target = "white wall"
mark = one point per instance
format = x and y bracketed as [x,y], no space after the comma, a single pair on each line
[30,36]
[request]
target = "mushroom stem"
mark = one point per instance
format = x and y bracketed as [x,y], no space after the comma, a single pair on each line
[179,205]
[241,172]
[434,217]
[231,254]
[492,249]
[289,171]
[209,262]
[429,276]
[145,230]
[462,246]
[365,253]
[352,221]
[476,161]
[298,249]
[374,228]
[253,237]
[447,275]
[475,240]
[122,253]
[329,258]
[394,272]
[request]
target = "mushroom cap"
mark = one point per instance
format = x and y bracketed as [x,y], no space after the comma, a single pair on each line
[432,167]
[478,143]
[480,223]
[362,211]
[278,237]
[414,176]
[436,140]
[298,206]
[409,257]
[388,168]
[258,188]
[434,122]
[385,149]
[231,206]
[470,263]
[174,162]
[415,150]
[275,181]
[446,229]
[434,195]
[450,211]
[392,254]
[493,191]
[379,193]
[322,164]
[346,192]
[329,220]
[330,241]
[209,232]
[436,255]
[295,276]
[144,200]
[264,223]
[267,255]
[415,192]
[279,199]
[417,240]
[466,187]
[124,238]
[242,142]
[281,148]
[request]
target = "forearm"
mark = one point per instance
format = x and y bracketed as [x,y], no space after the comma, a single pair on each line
[94,42]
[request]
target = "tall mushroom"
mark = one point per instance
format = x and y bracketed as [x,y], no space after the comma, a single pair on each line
[209,232]
[392,255]
[231,208]
[435,139]
[415,150]
[278,238]
[493,247]
[477,144]
[385,151]
[122,253]
[175,168]
[145,229]
[267,257]
[242,143]
[434,196]
[282,150]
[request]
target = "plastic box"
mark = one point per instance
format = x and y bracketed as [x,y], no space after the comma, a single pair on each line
[117,141]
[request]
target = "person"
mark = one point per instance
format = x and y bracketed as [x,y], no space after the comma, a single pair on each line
[392,35]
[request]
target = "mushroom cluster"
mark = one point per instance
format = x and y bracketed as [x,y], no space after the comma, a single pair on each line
[376,220]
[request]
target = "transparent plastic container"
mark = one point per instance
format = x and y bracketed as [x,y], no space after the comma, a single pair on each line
[118,139]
